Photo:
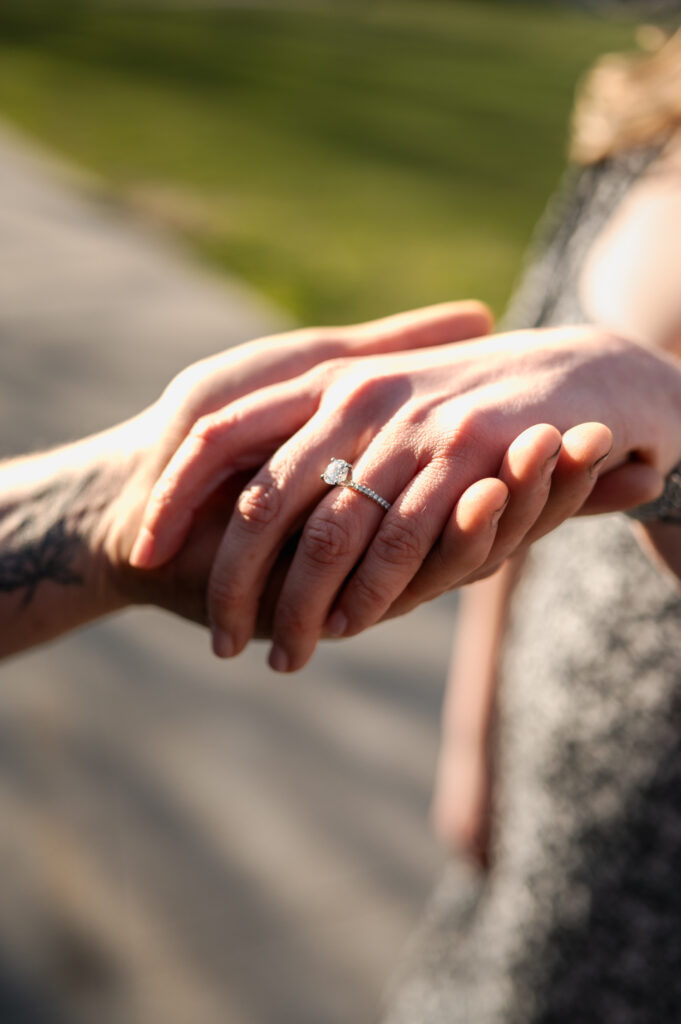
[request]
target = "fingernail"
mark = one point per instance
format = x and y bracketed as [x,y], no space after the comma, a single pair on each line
[594,468]
[337,623]
[142,549]
[500,511]
[278,659]
[223,644]
[550,464]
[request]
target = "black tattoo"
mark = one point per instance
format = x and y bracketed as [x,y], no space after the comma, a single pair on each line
[49,558]
[42,538]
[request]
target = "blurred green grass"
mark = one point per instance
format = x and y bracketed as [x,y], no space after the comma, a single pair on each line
[347,159]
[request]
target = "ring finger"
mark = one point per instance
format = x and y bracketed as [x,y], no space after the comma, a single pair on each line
[395,545]
[264,517]
[333,540]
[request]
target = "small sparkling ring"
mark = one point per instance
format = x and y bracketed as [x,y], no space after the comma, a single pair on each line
[338,473]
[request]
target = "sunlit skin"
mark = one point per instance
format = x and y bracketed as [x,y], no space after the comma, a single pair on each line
[629,282]
[421,428]
[68,517]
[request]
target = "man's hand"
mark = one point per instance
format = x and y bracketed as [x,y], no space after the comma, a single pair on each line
[439,433]
[201,391]
[68,517]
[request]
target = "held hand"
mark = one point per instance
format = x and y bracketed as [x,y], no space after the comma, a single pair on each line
[144,445]
[428,431]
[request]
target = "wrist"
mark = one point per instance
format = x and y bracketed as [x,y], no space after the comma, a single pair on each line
[128,456]
[105,469]
[55,511]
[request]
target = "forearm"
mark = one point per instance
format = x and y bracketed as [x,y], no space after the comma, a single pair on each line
[469,701]
[55,513]
[461,801]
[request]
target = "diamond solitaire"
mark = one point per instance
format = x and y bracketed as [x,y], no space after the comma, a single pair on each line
[338,473]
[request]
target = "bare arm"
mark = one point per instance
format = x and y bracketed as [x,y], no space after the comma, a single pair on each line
[420,429]
[53,513]
[69,517]
[461,799]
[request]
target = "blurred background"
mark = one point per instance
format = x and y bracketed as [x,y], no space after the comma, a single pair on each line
[182,840]
[346,158]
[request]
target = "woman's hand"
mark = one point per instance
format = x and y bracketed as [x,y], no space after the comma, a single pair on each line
[141,448]
[428,431]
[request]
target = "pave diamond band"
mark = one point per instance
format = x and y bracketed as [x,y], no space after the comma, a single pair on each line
[369,493]
[338,473]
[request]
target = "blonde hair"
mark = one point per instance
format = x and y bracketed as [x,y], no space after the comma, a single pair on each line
[628,102]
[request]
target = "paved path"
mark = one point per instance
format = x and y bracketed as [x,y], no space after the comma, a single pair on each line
[184,841]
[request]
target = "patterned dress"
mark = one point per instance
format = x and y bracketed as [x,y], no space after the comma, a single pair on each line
[579,920]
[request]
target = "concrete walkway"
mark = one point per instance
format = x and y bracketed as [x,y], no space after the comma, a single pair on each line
[184,841]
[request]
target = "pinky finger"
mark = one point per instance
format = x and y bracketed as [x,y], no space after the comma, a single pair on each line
[630,485]
[463,547]
[584,449]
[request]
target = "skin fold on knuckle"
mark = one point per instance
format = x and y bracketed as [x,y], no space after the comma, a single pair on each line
[259,504]
[463,429]
[318,378]
[326,539]
[204,442]
[208,431]
[327,371]
[367,394]
[398,543]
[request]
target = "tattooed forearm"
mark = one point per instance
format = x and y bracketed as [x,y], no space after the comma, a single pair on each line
[56,511]
[49,557]
[41,538]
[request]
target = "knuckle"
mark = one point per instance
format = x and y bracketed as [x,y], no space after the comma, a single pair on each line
[207,429]
[325,373]
[364,390]
[464,439]
[259,504]
[398,542]
[376,388]
[326,539]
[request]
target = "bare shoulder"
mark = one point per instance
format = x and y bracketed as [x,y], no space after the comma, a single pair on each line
[631,280]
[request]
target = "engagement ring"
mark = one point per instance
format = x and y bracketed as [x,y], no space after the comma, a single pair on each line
[338,473]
